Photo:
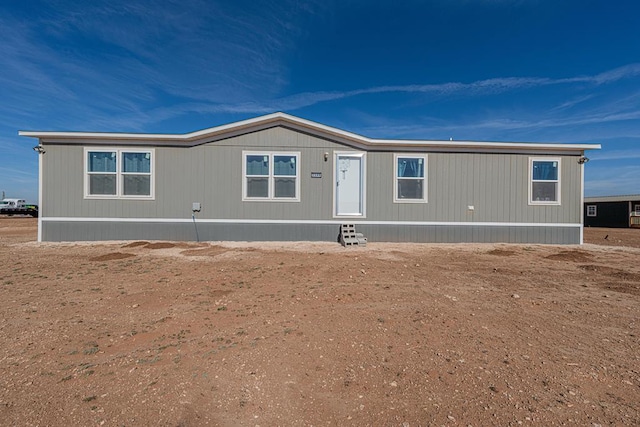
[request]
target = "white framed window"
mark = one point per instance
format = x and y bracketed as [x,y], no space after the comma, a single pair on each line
[119,173]
[592,210]
[544,181]
[410,178]
[636,209]
[271,176]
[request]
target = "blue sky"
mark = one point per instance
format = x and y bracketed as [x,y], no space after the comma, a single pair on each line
[565,71]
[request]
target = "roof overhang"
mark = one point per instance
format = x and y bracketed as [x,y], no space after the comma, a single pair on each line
[296,123]
[622,198]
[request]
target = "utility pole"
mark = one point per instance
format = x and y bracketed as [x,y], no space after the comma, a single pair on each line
[2,194]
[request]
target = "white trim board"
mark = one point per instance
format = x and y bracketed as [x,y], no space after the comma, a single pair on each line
[40,194]
[309,221]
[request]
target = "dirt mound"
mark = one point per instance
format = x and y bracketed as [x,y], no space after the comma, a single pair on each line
[135,244]
[501,252]
[573,256]
[622,287]
[160,245]
[610,272]
[604,276]
[112,256]
[209,251]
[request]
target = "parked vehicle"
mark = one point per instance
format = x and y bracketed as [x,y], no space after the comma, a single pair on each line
[17,207]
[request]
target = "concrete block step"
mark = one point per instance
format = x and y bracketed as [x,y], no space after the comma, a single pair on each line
[349,236]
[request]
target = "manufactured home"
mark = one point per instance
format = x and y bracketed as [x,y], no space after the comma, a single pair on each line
[612,211]
[280,177]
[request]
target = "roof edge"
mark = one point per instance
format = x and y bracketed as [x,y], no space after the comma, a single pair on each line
[313,127]
[613,198]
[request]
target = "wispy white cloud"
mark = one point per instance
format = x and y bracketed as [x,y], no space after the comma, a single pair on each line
[10,145]
[210,51]
[135,55]
[595,116]
[572,103]
[567,129]
[481,87]
[38,79]
[17,174]
[616,155]
[613,111]
[611,181]
[630,70]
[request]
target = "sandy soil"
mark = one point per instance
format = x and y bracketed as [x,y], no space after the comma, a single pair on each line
[131,334]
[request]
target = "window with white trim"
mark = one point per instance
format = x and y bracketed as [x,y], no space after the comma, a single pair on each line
[544,181]
[271,176]
[410,182]
[592,210]
[636,209]
[119,173]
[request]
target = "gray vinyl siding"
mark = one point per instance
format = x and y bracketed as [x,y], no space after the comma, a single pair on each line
[210,174]
[93,231]
[495,184]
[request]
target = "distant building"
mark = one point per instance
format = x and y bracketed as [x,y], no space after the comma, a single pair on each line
[280,177]
[612,211]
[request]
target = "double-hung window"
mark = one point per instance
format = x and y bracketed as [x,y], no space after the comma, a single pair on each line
[410,184]
[271,176]
[544,181]
[119,173]
[592,210]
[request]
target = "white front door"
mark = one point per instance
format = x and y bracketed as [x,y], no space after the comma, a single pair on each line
[349,177]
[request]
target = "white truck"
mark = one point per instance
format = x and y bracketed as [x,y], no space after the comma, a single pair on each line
[17,207]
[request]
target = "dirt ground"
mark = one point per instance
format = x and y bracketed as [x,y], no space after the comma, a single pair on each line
[280,334]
